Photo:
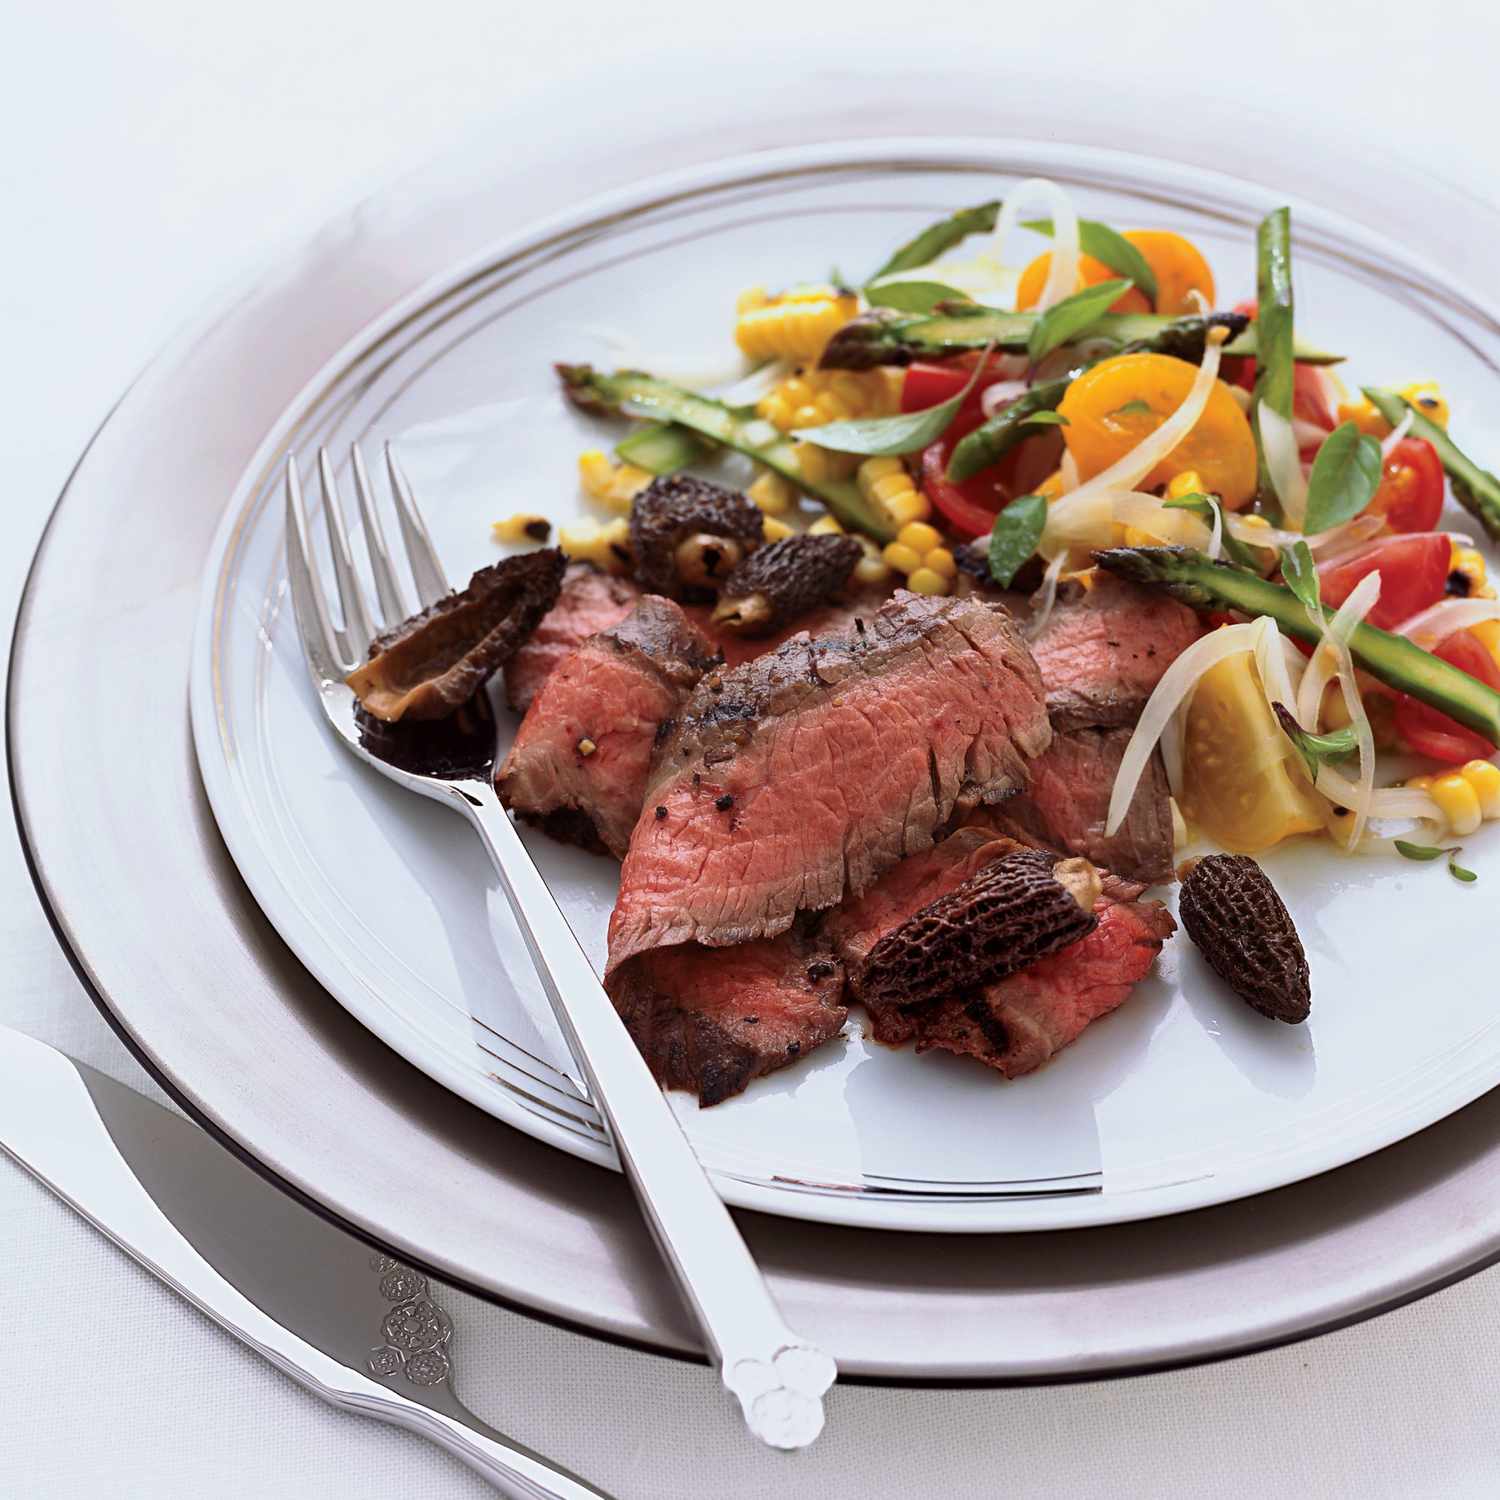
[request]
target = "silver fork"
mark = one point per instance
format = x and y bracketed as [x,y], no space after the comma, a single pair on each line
[778,1378]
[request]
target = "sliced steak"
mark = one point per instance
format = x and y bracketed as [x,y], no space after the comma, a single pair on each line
[711,1019]
[579,763]
[589,601]
[799,778]
[1104,649]
[1016,1024]
[1067,804]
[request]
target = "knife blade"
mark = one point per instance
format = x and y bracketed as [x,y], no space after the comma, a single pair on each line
[361,1330]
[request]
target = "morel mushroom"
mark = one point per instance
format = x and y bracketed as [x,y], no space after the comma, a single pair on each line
[436,661]
[1232,912]
[776,584]
[1014,911]
[687,536]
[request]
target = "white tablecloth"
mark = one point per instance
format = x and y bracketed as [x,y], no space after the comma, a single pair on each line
[155,149]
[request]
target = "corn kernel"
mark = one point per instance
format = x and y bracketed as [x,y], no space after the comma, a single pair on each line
[1459,802]
[1189,482]
[826,525]
[579,536]
[524,526]
[1484,777]
[586,747]
[1488,632]
[925,581]
[1418,783]
[595,472]
[772,493]
[1428,399]
[902,558]
[941,561]
[873,572]
[751,298]
[1469,565]
[912,506]
[818,465]
[774,530]
[616,485]
[1365,416]
[920,537]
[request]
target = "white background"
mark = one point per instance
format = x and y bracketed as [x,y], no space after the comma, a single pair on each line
[152,152]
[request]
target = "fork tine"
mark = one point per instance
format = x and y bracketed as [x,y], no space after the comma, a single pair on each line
[318,639]
[357,631]
[426,569]
[393,605]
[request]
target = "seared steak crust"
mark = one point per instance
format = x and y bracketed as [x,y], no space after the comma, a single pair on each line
[589,601]
[802,776]
[710,1020]
[580,759]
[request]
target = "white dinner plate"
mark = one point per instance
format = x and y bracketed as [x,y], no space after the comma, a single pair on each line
[1181,1099]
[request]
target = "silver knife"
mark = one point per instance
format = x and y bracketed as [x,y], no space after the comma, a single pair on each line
[361,1330]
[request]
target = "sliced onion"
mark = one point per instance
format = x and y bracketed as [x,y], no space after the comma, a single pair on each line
[1068,468]
[1062,275]
[1216,536]
[1276,659]
[1399,431]
[1283,462]
[1342,540]
[1349,614]
[1308,434]
[1147,513]
[1170,693]
[1001,394]
[1388,802]
[1320,672]
[1046,596]
[1447,615]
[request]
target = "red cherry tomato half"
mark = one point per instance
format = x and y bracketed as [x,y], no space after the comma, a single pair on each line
[1413,574]
[1433,734]
[1410,496]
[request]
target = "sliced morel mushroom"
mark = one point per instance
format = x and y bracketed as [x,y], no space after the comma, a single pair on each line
[437,660]
[1232,912]
[1003,918]
[777,583]
[687,536]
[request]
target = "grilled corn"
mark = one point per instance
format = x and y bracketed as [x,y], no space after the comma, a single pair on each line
[794,325]
[607,546]
[615,485]
[524,526]
[886,485]
[773,494]
[1467,795]
[809,398]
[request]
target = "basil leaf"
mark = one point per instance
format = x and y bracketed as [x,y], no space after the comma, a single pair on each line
[912,296]
[906,433]
[1301,575]
[1144,407]
[1238,552]
[925,248]
[1421,852]
[1315,748]
[1344,478]
[1045,419]
[1458,872]
[1013,538]
[1108,245]
[1067,319]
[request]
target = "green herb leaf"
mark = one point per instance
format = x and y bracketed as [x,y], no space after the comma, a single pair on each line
[1013,538]
[1344,478]
[1315,748]
[912,296]
[1046,419]
[879,436]
[1067,319]
[1420,852]
[1458,872]
[925,248]
[1108,245]
[1238,552]
[1143,407]
[1301,574]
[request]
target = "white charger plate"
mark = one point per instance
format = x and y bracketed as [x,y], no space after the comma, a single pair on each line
[1183,1098]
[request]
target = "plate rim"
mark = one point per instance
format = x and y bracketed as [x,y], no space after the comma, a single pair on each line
[1246,1174]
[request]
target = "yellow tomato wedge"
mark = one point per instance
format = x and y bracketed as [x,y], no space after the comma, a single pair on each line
[1178,266]
[1090,273]
[1117,403]
[1241,784]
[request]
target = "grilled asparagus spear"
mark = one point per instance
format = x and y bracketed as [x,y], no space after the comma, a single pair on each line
[1476,489]
[636,394]
[1190,576]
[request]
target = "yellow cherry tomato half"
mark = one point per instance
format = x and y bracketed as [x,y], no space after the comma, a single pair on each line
[1178,266]
[1119,402]
[1090,273]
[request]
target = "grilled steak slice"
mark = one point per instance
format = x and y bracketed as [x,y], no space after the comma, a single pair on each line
[1104,649]
[589,601]
[1016,1024]
[580,759]
[802,776]
[709,1019]
[436,661]
[1067,804]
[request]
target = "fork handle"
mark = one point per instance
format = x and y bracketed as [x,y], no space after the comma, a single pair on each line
[778,1378]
